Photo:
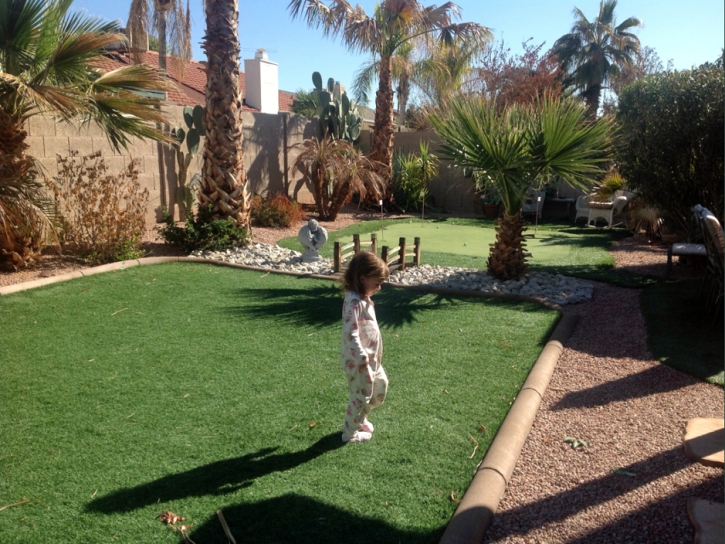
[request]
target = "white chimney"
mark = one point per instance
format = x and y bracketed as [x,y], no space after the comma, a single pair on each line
[262,83]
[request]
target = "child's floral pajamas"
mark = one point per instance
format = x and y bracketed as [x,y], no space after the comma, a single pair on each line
[361,355]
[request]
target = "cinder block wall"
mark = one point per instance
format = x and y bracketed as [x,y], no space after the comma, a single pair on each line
[270,150]
[451,191]
[271,147]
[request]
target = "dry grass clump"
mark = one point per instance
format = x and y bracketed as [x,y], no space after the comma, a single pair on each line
[101,214]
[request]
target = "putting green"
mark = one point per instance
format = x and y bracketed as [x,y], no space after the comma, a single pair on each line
[549,247]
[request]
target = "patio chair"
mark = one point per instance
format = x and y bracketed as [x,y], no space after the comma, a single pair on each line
[606,210]
[715,243]
[534,203]
[582,207]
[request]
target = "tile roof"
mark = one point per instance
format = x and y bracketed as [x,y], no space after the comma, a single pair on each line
[190,91]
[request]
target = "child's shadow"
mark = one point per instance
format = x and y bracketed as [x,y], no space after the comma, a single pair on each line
[216,478]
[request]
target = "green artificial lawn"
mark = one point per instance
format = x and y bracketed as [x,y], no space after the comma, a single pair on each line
[556,248]
[681,334]
[193,388]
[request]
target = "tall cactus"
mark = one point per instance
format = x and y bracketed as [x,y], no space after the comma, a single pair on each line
[338,115]
[194,119]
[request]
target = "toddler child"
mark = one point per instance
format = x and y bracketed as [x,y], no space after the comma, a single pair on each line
[362,345]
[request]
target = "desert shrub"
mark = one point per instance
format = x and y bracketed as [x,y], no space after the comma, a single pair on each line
[101,214]
[671,143]
[276,211]
[202,232]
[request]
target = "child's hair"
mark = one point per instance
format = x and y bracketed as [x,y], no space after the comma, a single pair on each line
[364,264]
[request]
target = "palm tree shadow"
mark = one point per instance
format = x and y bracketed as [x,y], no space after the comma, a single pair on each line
[652,381]
[218,478]
[295,518]
[321,305]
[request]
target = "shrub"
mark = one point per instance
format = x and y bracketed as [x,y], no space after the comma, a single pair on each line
[412,172]
[202,232]
[276,211]
[101,215]
[671,145]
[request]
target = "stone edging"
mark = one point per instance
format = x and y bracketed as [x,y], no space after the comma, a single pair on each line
[474,514]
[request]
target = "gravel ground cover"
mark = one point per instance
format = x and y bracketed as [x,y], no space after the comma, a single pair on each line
[607,390]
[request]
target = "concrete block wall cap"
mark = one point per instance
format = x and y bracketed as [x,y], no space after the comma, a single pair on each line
[18,287]
[474,514]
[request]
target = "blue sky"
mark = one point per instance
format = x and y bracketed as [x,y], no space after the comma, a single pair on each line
[687,33]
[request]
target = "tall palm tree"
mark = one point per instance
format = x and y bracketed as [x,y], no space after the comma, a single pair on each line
[511,148]
[223,183]
[393,24]
[47,57]
[171,24]
[595,51]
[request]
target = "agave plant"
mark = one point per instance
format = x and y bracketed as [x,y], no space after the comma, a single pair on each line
[514,147]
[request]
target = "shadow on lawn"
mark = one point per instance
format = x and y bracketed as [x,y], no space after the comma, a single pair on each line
[322,305]
[299,519]
[216,478]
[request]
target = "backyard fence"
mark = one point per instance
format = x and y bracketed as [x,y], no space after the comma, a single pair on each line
[395,258]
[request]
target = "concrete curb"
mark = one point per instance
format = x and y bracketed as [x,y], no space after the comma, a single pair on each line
[474,514]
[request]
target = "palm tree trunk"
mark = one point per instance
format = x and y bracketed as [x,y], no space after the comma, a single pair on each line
[403,95]
[591,98]
[507,258]
[19,248]
[382,148]
[223,184]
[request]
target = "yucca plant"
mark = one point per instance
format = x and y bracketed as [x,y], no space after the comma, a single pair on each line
[512,148]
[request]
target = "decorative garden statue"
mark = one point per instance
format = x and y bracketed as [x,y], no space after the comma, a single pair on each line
[312,237]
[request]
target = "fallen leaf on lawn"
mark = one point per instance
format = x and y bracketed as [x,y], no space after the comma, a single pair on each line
[475,448]
[483,429]
[119,311]
[454,499]
[504,344]
[313,424]
[169,518]
[293,428]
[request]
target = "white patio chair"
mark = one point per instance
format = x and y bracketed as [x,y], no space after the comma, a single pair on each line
[582,207]
[606,210]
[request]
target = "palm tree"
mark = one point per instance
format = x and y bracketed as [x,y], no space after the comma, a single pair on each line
[393,24]
[47,67]
[511,148]
[593,52]
[171,24]
[336,170]
[223,181]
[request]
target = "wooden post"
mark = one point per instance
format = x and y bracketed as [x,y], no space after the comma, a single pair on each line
[338,257]
[417,251]
[356,241]
[374,243]
[384,255]
[402,254]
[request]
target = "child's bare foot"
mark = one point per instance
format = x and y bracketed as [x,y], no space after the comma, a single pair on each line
[358,436]
[367,426]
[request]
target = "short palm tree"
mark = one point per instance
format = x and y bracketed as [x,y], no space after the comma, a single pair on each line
[223,180]
[511,148]
[393,24]
[47,59]
[593,52]
[335,170]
